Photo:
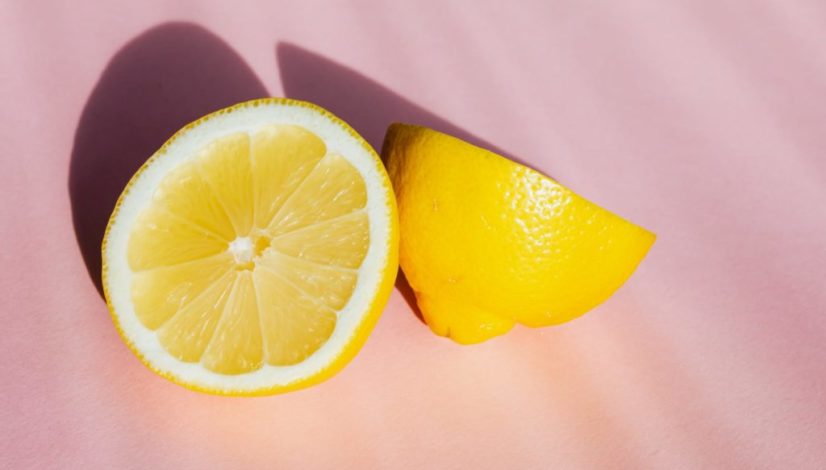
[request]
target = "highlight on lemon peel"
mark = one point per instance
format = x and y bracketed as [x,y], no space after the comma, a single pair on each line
[487,243]
[253,253]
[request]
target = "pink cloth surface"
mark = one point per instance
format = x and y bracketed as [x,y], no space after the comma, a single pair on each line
[703,121]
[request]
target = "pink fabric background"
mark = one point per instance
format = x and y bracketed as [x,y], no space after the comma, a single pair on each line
[704,121]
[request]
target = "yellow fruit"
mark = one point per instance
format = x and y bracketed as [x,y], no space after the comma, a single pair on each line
[254,252]
[487,243]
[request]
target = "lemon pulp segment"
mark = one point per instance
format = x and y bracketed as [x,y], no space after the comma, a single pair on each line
[246,253]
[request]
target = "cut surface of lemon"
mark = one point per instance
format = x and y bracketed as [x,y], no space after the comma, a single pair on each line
[487,243]
[254,252]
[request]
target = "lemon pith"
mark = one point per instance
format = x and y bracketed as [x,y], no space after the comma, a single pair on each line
[254,252]
[487,243]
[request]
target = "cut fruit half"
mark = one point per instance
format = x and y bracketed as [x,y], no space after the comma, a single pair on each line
[254,252]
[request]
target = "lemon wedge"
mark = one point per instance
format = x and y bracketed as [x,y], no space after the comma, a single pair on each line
[487,243]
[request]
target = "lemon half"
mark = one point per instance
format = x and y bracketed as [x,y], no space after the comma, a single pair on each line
[254,252]
[487,243]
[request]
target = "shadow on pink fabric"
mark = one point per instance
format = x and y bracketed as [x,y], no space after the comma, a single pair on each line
[157,83]
[365,104]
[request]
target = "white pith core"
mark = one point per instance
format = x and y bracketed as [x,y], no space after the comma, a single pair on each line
[242,250]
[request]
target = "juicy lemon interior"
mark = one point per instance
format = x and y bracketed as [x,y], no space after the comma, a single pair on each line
[248,251]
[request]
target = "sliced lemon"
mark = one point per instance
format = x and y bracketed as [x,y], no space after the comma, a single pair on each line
[487,243]
[254,252]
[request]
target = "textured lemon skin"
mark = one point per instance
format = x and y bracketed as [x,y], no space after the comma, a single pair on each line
[487,243]
[369,319]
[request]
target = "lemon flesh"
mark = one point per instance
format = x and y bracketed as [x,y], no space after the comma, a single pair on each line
[242,257]
[487,243]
